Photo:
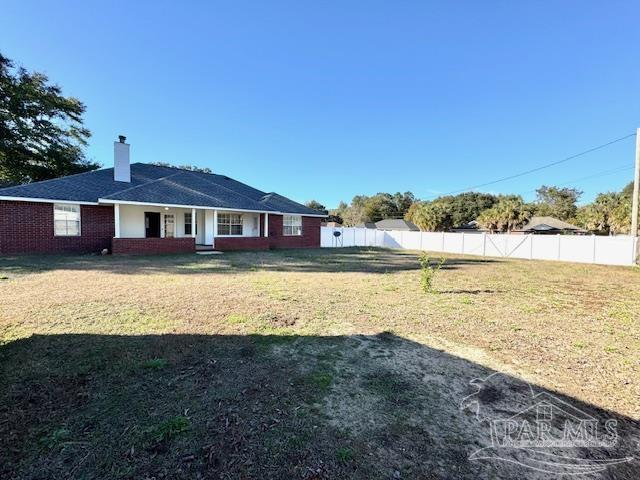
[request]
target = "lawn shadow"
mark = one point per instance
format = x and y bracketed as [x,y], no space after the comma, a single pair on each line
[253,406]
[354,259]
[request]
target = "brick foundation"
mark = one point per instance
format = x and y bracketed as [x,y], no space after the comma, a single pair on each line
[27,227]
[241,243]
[152,246]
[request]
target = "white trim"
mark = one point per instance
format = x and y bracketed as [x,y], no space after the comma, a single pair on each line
[224,209]
[174,205]
[116,220]
[266,224]
[44,200]
[301,214]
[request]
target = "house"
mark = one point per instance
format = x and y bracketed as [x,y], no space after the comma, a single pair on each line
[396,224]
[548,226]
[470,227]
[143,209]
[366,225]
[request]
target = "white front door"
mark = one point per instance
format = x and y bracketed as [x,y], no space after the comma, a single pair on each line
[169,225]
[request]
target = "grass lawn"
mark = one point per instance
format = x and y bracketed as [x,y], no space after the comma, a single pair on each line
[301,364]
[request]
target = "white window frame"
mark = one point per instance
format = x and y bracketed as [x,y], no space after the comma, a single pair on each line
[292,225]
[190,223]
[230,220]
[65,212]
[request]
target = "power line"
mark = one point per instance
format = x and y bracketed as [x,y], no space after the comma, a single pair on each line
[542,167]
[595,175]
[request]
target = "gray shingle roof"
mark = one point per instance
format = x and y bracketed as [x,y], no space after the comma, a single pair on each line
[396,224]
[548,223]
[157,184]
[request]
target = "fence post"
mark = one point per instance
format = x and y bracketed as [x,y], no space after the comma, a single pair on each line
[593,237]
[401,239]
[484,244]
[421,237]
[442,248]
[462,243]
[531,246]
[559,236]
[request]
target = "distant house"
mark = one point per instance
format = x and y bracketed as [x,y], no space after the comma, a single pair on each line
[549,226]
[396,224]
[366,225]
[470,227]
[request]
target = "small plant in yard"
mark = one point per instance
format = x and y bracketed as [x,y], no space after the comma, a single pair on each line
[154,363]
[428,271]
[344,454]
[55,438]
[170,429]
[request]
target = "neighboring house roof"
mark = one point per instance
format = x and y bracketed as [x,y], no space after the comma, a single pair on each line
[396,224]
[543,224]
[366,225]
[472,225]
[158,184]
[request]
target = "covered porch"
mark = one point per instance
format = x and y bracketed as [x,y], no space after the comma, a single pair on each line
[147,229]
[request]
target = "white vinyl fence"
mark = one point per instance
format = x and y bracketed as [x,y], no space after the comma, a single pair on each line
[618,250]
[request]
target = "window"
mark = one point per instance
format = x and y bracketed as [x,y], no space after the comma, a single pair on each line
[229,224]
[292,225]
[66,220]
[187,223]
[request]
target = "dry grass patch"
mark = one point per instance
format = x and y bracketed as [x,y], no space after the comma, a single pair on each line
[275,364]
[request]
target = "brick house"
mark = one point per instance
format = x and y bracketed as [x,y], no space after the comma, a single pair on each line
[143,209]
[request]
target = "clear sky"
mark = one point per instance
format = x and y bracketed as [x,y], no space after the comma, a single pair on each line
[326,100]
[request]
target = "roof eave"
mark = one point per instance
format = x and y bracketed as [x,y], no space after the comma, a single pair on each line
[44,200]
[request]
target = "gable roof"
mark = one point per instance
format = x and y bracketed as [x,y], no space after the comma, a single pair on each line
[161,185]
[396,224]
[548,223]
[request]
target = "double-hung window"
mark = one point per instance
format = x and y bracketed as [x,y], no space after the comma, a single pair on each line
[66,220]
[188,223]
[292,225]
[229,224]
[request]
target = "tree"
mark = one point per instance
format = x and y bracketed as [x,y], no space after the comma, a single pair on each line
[192,168]
[317,206]
[430,216]
[509,213]
[609,214]
[42,135]
[557,202]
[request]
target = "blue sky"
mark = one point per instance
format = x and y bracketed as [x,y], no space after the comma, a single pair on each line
[326,100]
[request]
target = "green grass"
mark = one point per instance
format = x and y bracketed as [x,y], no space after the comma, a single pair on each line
[170,428]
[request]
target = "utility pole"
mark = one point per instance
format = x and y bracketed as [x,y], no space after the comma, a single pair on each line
[636,189]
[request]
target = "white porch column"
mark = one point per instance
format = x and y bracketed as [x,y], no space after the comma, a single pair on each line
[193,222]
[215,227]
[266,224]
[116,219]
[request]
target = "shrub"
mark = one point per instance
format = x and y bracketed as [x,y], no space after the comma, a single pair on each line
[428,272]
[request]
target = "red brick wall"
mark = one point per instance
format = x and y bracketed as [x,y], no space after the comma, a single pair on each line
[241,243]
[151,246]
[310,237]
[27,227]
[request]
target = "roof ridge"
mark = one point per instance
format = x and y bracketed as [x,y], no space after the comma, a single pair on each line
[183,187]
[142,185]
[228,189]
